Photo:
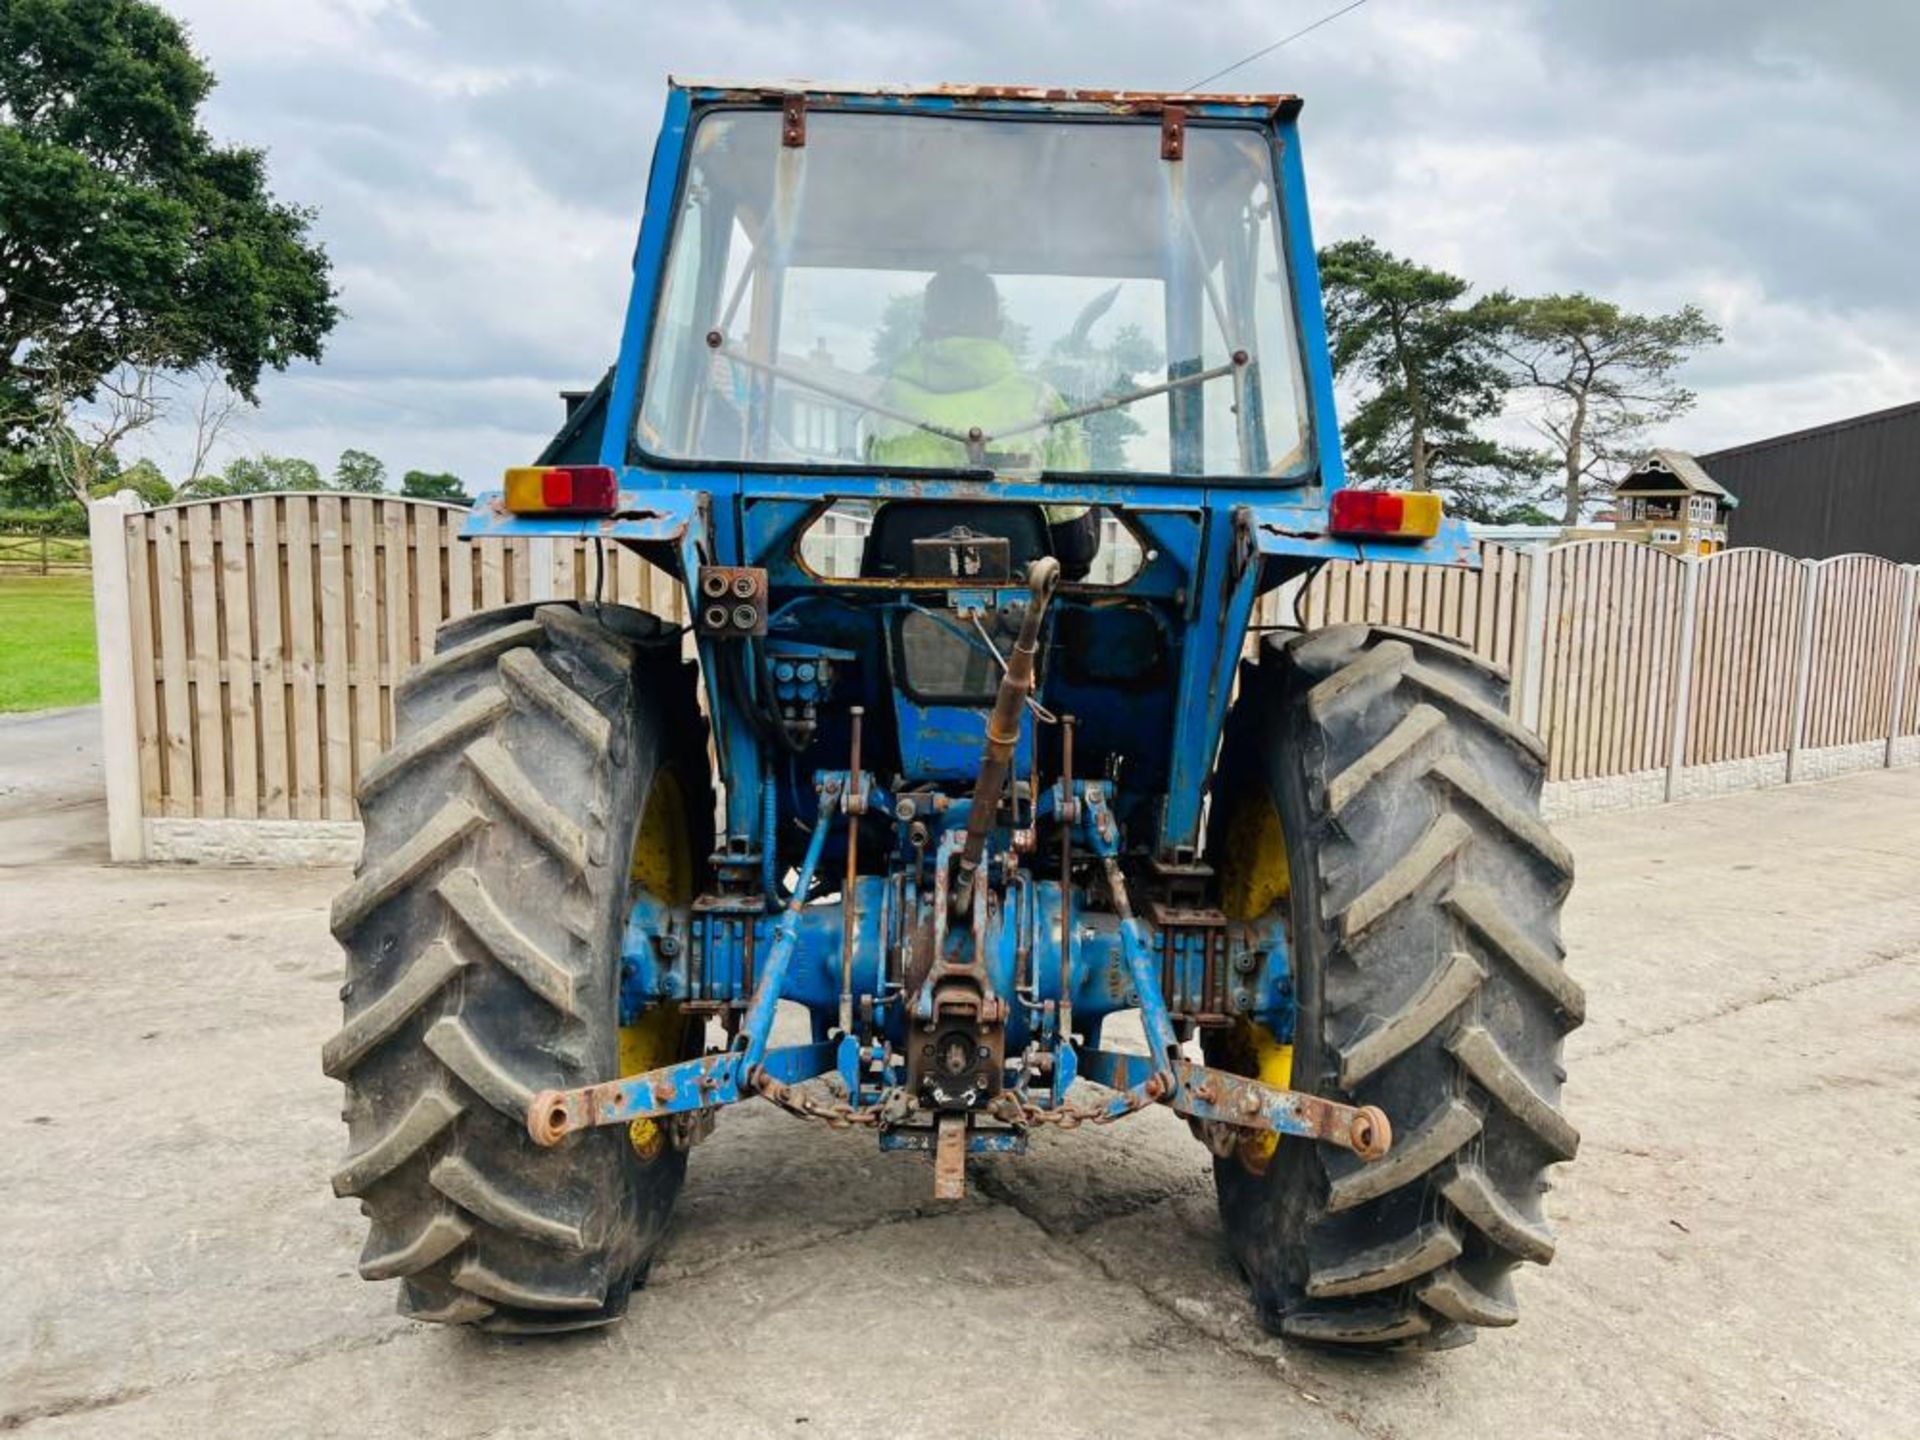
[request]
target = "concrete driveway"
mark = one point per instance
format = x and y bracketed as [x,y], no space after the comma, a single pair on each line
[1739,1238]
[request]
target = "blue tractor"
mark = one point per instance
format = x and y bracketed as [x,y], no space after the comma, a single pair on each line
[973,423]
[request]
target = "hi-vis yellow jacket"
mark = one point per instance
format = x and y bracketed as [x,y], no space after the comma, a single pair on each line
[962,381]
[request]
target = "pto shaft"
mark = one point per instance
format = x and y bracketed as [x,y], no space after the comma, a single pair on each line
[1003,728]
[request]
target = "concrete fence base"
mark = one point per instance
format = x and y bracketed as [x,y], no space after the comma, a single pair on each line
[253,842]
[1563,799]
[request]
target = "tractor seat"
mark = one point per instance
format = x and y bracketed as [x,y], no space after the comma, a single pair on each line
[898,524]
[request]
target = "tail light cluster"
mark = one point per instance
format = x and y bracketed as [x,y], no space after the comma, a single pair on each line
[1385,514]
[562,490]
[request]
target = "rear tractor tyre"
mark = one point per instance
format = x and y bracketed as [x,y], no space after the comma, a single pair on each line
[483,937]
[1423,895]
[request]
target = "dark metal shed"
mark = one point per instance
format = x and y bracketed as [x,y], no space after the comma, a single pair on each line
[1850,485]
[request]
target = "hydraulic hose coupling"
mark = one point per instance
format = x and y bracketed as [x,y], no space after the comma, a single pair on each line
[1003,727]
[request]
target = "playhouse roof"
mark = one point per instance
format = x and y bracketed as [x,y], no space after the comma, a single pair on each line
[1669,472]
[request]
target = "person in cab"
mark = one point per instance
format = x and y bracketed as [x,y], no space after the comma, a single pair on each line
[961,375]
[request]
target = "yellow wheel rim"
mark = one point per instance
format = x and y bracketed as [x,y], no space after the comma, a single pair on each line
[1255,877]
[663,867]
[1272,1064]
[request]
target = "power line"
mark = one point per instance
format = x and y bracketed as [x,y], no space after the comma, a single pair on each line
[1288,40]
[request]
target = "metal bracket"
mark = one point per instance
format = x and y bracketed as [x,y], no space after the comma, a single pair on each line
[793,121]
[1173,132]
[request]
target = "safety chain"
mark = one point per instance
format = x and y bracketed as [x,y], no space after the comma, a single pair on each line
[1065,1116]
[836,1115]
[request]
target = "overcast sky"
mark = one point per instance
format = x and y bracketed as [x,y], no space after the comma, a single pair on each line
[478,167]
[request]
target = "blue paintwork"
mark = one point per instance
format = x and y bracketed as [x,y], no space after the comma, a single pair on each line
[1167,642]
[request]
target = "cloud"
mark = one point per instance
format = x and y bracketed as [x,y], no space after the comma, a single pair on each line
[479,168]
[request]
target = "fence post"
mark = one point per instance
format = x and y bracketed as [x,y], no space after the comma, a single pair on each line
[1902,657]
[113,639]
[540,568]
[1682,673]
[1533,621]
[1803,667]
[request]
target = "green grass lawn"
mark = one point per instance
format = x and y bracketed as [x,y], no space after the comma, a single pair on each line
[46,642]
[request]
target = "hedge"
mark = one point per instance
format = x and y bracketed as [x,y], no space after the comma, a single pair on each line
[61,520]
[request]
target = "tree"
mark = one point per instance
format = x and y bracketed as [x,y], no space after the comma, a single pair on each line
[84,448]
[1434,373]
[358,471]
[1083,372]
[215,405]
[258,474]
[434,485]
[29,479]
[145,479]
[132,239]
[1604,376]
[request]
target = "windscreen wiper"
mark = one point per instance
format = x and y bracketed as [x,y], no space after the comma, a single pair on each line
[1114,402]
[974,441]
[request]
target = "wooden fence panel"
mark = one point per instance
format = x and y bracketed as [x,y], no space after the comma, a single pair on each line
[270,634]
[1477,608]
[1856,626]
[1909,721]
[1746,632]
[1611,637]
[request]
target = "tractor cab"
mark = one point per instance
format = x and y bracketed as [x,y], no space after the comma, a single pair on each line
[862,283]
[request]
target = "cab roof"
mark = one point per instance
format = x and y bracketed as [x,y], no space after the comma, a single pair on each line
[1280,103]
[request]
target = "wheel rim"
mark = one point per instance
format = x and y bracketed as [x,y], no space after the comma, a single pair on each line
[1255,877]
[663,867]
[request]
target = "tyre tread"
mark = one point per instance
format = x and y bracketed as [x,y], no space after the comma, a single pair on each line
[1429,890]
